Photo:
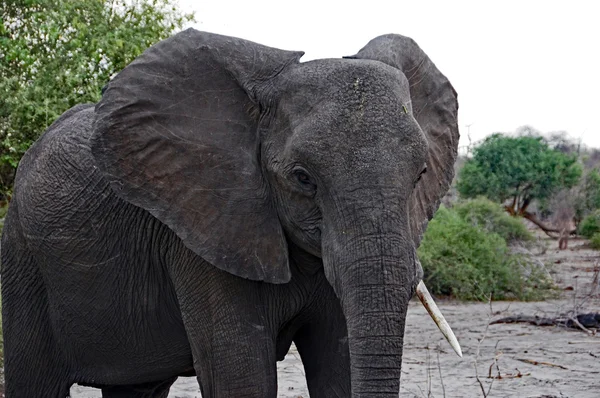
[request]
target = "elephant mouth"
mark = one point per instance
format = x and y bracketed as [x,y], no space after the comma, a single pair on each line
[437,317]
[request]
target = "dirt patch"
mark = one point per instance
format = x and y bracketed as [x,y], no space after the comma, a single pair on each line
[518,360]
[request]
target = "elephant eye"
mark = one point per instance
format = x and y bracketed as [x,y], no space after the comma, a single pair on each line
[303,178]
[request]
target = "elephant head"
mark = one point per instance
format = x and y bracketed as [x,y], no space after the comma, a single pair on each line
[240,149]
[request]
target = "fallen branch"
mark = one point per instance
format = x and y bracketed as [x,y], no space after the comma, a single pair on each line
[517,375]
[552,232]
[532,362]
[547,230]
[534,320]
[583,322]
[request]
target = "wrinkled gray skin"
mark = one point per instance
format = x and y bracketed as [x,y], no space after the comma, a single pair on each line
[221,201]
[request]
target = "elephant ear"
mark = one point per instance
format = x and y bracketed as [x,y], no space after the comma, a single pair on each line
[435,107]
[174,134]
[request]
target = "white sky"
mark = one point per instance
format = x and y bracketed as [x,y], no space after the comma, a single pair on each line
[512,63]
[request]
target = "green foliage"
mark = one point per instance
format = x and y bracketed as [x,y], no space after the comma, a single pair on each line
[591,190]
[595,241]
[58,53]
[462,258]
[586,198]
[590,225]
[521,168]
[492,218]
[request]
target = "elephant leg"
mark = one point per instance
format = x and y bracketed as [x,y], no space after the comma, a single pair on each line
[323,347]
[33,365]
[214,386]
[232,343]
[146,390]
[237,367]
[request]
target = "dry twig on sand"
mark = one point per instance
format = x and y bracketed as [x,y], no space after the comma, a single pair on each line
[587,322]
[483,391]
[532,362]
[440,372]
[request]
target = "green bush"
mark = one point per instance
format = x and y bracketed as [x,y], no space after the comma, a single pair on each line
[491,217]
[590,225]
[595,241]
[468,262]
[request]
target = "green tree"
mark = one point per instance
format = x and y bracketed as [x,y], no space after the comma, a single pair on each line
[55,54]
[516,171]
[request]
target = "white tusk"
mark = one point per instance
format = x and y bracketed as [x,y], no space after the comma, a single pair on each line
[437,317]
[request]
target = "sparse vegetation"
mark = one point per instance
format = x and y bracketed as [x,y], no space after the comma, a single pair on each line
[587,195]
[595,241]
[590,225]
[465,254]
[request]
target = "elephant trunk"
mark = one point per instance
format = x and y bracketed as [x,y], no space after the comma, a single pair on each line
[373,273]
[375,318]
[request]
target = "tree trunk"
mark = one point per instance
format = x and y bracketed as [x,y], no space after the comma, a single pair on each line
[547,230]
[522,212]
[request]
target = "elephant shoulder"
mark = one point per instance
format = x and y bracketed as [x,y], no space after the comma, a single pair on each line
[77,121]
[66,139]
[58,183]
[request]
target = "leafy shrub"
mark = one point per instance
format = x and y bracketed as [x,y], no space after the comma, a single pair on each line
[591,189]
[586,196]
[59,53]
[590,225]
[491,217]
[595,241]
[469,262]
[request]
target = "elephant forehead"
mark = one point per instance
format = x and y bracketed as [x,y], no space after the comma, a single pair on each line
[344,96]
[355,106]
[345,82]
[378,144]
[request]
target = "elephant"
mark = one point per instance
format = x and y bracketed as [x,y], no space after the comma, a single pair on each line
[222,201]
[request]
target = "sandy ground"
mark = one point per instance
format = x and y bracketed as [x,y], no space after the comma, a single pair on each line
[525,360]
